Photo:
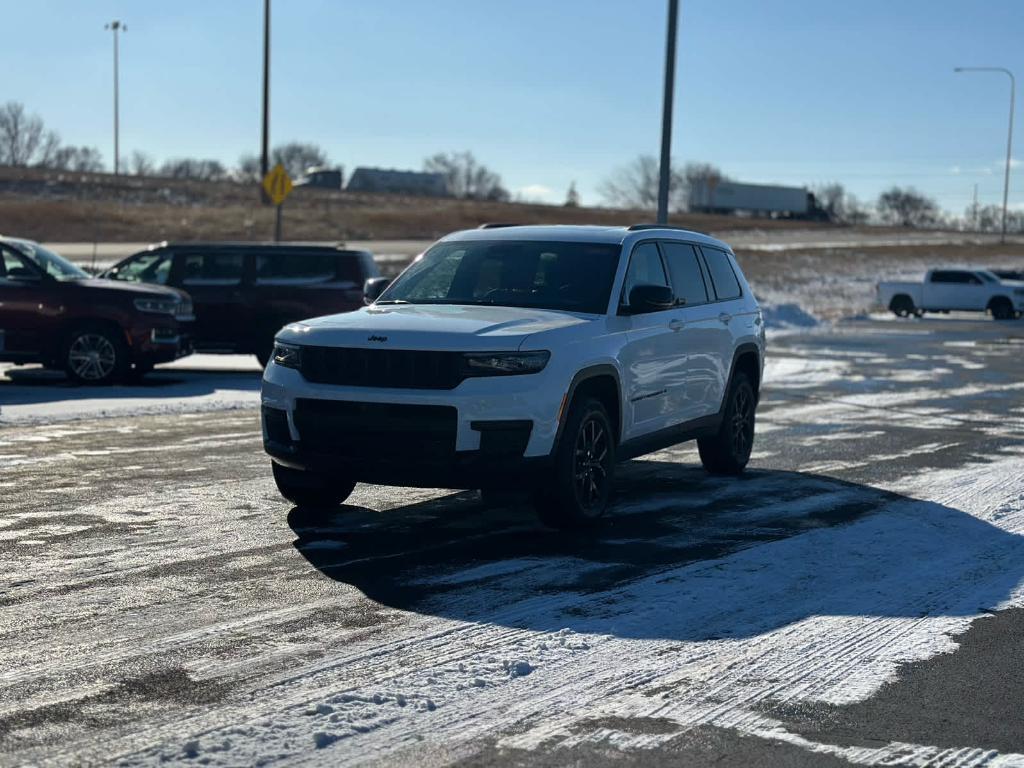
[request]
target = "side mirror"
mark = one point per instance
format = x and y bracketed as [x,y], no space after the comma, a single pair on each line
[650,298]
[374,287]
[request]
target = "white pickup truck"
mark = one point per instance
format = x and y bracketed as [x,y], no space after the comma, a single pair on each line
[944,290]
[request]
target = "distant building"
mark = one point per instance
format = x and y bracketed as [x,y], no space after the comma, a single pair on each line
[322,178]
[402,182]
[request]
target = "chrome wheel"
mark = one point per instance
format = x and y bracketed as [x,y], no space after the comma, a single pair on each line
[591,461]
[742,423]
[92,357]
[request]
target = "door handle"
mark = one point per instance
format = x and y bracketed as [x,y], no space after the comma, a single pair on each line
[725,317]
[676,325]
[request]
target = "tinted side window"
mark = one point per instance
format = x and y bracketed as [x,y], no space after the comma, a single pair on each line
[212,268]
[14,266]
[284,268]
[687,280]
[950,276]
[645,268]
[722,277]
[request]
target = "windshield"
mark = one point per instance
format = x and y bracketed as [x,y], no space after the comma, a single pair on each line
[575,277]
[48,261]
[147,267]
[988,276]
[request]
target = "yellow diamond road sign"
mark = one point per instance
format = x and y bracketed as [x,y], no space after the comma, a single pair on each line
[277,184]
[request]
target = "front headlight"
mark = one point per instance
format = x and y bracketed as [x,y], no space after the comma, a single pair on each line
[157,306]
[287,355]
[504,363]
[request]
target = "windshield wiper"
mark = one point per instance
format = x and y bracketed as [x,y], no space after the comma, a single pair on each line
[393,301]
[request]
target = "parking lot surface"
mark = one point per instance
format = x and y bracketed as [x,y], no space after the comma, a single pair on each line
[855,598]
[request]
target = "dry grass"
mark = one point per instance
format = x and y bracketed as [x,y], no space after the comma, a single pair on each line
[64,207]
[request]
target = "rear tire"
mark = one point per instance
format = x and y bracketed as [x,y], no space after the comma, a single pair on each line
[1001,309]
[95,355]
[577,491]
[311,489]
[902,306]
[728,451]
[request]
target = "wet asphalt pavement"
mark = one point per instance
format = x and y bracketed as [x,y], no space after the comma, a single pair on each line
[855,597]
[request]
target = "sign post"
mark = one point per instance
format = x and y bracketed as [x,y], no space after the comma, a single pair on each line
[278,185]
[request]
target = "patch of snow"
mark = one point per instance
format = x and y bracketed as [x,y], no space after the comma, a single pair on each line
[787,316]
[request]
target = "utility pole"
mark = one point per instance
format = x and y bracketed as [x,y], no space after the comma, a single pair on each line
[116,26]
[265,153]
[1009,135]
[666,113]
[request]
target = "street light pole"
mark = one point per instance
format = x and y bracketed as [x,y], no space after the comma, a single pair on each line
[265,153]
[116,26]
[1009,135]
[666,113]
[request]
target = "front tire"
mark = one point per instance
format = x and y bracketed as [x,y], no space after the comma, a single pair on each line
[577,491]
[728,451]
[311,489]
[95,355]
[1001,309]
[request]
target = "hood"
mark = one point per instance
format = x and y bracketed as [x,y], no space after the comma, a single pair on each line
[430,326]
[136,290]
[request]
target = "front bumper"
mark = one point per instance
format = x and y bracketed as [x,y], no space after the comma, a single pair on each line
[485,432]
[158,343]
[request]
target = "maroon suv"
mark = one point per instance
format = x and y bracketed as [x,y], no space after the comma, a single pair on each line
[98,331]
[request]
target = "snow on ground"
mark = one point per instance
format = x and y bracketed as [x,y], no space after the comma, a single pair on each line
[784,588]
[826,616]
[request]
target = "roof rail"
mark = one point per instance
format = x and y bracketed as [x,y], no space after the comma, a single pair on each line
[496,225]
[640,227]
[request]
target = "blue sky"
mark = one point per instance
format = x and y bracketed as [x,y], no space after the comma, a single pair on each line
[546,91]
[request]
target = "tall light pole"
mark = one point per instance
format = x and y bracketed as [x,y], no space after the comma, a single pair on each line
[265,153]
[116,26]
[1009,135]
[665,171]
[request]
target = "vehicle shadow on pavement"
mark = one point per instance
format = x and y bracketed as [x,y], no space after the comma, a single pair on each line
[37,385]
[682,556]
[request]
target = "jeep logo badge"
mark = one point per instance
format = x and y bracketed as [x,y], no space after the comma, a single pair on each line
[377,338]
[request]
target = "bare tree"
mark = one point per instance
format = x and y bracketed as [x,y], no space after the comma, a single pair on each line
[572,197]
[466,177]
[48,149]
[191,168]
[907,207]
[248,168]
[141,164]
[989,218]
[79,159]
[297,156]
[831,198]
[23,137]
[634,185]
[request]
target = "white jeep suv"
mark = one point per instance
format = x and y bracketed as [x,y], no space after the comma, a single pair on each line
[522,357]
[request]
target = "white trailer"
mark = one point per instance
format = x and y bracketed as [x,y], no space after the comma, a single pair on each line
[730,197]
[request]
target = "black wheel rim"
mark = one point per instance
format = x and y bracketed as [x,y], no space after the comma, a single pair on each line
[591,463]
[742,424]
